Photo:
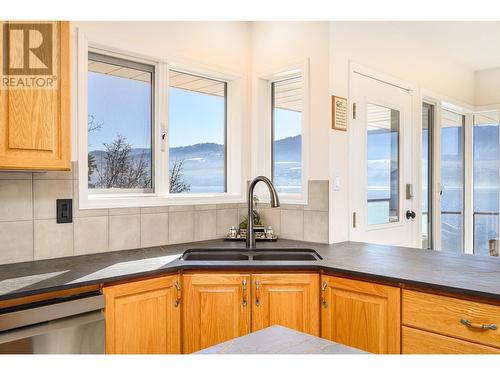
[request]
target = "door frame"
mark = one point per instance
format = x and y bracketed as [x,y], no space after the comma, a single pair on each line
[440,103]
[415,116]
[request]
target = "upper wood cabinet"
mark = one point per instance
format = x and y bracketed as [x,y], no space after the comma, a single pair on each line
[144,317]
[290,300]
[361,314]
[35,96]
[216,309]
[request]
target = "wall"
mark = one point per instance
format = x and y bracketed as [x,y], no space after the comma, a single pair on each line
[277,45]
[385,48]
[29,231]
[487,87]
[27,200]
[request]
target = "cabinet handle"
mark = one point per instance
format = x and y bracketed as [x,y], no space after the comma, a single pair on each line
[177,285]
[468,323]
[244,292]
[323,289]
[257,297]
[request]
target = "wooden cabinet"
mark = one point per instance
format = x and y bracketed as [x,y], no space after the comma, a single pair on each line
[34,106]
[416,341]
[449,325]
[361,314]
[216,309]
[144,317]
[289,300]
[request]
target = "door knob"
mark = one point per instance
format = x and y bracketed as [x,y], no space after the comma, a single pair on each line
[410,214]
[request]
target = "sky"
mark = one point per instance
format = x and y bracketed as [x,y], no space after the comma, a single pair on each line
[123,107]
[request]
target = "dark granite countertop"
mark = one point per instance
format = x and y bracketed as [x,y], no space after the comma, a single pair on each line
[279,340]
[455,273]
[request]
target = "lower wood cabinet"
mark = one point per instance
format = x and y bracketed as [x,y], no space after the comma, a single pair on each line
[441,324]
[361,314]
[216,309]
[416,341]
[144,317]
[289,300]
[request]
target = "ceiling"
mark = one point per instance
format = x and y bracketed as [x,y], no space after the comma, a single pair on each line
[473,44]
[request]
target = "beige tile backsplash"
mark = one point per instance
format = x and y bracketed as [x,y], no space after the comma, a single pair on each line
[29,231]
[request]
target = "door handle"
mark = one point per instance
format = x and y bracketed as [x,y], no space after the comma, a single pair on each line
[323,289]
[410,214]
[244,292]
[177,285]
[257,293]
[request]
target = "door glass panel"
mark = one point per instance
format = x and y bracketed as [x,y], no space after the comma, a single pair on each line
[382,164]
[486,164]
[427,121]
[452,177]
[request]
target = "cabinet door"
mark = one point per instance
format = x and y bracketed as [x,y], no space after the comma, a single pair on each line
[34,106]
[361,314]
[216,309]
[289,300]
[143,317]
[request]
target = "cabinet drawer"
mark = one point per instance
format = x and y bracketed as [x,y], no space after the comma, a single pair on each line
[416,341]
[444,315]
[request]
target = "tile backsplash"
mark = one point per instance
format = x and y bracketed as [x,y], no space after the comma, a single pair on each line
[28,228]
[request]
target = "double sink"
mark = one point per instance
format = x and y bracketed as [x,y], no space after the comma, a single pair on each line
[244,254]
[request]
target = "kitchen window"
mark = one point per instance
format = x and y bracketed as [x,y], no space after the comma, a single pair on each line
[286,134]
[197,134]
[120,125]
[155,133]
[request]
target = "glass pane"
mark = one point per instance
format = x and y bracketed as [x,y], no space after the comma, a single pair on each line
[287,135]
[119,124]
[382,164]
[486,164]
[197,134]
[427,121]
[452,141]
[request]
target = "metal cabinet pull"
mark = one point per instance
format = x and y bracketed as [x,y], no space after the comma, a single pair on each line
[177,285]
[468,323]
[244,292]
[323,289]
[257,297]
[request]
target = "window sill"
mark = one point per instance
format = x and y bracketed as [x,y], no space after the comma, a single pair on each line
[98,201]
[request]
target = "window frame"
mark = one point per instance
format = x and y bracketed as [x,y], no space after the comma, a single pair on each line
[151,68]
[226,98]
[263,123]
[235,157]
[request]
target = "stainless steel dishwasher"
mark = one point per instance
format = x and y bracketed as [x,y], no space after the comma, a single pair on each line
[66,325]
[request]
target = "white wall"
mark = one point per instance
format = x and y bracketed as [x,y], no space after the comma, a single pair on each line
[383,47]
[488,87]
[276,45]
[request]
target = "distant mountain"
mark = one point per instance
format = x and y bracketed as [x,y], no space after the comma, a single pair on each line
[288,149]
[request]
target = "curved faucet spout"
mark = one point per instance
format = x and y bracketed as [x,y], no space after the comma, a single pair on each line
[275,202]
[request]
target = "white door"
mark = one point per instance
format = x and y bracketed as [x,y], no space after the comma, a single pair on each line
[381,163]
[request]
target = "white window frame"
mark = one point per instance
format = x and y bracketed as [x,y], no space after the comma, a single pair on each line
[441,103]
[235,165]
[262,139]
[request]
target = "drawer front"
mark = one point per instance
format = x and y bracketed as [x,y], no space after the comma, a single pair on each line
[444,315]
[416,341]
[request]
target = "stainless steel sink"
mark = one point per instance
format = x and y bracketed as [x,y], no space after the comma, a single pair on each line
[243,254]
[214,254]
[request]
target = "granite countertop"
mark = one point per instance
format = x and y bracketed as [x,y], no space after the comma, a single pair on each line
[455,273]
[279,340]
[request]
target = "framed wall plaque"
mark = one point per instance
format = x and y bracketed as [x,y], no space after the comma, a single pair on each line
[339,113]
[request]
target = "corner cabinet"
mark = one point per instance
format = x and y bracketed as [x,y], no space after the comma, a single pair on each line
[35,121]
[361,314]
[216,308]
[144,317]
[289,299]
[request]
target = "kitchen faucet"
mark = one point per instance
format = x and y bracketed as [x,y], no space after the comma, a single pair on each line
[275,202]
